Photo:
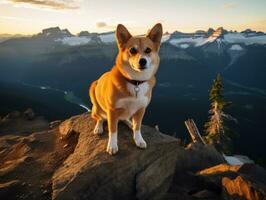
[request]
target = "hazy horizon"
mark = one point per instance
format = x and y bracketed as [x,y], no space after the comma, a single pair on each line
[144,31]
[31,16]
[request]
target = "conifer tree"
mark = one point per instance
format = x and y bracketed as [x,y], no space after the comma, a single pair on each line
[216,130]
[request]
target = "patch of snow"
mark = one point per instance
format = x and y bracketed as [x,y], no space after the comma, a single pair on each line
[219,42]
[236,47]
[237,159]
[244,159]
[231,160]
[240,38]
[165,37]
[197,41]
[74,41]
[43,87]
[107,38]
[184,46]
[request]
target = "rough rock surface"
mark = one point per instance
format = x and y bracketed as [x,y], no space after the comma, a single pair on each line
[197,156]
[91,173]
[246,181]
[38,162]
[30,152]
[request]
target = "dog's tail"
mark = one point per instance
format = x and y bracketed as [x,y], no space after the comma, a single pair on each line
[95,106]
[92,93]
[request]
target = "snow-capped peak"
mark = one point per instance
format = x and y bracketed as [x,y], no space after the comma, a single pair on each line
[218,33]
[219,36]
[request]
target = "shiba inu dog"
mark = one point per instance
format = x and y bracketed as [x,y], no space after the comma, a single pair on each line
[125,91]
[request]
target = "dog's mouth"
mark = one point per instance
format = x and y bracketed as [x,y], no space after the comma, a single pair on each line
[138,68]
[141,65]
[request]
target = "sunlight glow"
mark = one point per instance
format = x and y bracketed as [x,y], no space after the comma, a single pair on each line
[31,16]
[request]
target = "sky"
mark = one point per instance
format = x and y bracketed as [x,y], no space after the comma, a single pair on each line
[31,16]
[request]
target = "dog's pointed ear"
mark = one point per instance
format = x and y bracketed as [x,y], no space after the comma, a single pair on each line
[122,36]
[155,34]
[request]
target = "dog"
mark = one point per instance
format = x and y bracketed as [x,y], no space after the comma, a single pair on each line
[124,92]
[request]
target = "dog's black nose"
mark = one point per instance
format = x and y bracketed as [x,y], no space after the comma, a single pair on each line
[142,63]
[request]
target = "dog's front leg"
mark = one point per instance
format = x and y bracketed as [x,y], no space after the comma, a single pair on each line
[112,119]
[137,121]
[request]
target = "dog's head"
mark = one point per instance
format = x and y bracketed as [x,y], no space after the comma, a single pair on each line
[138,56]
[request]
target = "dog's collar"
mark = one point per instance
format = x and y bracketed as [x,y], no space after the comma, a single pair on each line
[134,82]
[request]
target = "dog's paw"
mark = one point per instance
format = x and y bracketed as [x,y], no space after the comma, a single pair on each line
[139,141]
[112,147]
[98,128]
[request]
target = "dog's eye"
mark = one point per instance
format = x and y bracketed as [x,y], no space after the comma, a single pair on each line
[147,50]
[133,51]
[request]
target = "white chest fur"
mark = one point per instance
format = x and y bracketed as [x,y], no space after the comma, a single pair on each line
[134,102]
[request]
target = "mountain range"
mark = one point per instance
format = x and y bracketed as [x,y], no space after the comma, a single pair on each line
[56,63]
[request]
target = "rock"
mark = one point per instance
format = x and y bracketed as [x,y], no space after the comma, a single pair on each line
[10,116]
[29,153]
[197,156]
[205,194]
[8,188]
[254,172]
[29,114]
[36,163]
[16,124]
[66,128]
[241,188]
[54,124]
[220,169]
[91,173]
[187,185]
[247,181]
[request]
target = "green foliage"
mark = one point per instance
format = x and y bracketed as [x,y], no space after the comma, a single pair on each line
[216,129]
[216,93]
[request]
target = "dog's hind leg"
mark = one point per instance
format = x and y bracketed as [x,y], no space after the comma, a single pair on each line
[96,110]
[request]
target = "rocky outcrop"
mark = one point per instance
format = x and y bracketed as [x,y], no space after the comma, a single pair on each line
[65,160]
[30,152]
[91,173]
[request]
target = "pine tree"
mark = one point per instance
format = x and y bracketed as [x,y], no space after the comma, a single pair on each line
[217,132]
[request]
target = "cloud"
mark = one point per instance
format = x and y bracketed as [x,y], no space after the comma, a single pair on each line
[230,5]
[53,4]
[105,25]
[101,24]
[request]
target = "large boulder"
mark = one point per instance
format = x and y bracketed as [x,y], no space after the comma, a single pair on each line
[197,156]
[91,173]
